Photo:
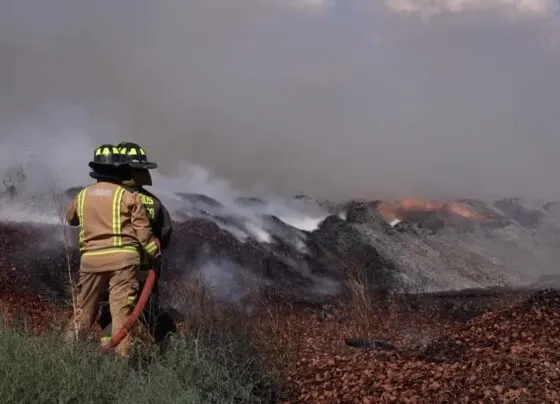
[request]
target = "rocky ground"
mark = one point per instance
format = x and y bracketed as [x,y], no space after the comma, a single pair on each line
[337,342]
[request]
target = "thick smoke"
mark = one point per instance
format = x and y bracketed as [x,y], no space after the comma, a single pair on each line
[350,98]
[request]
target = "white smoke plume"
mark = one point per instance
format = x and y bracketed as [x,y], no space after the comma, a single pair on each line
[513,8]
[228,281]
[340,99]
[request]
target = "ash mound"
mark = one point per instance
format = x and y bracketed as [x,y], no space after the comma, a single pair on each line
[304,249]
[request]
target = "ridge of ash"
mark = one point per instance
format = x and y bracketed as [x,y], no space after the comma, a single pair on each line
[390,248]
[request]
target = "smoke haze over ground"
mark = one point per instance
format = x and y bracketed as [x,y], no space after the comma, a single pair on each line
[352,98]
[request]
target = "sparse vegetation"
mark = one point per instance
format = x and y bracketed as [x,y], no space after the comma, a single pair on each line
[215,359]
[45,369]
[287,352]
[226,356]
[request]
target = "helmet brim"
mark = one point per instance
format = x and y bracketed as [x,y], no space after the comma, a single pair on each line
[145,165]
[95,164]
[101,177]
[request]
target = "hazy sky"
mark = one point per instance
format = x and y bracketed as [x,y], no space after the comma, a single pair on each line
[337,98]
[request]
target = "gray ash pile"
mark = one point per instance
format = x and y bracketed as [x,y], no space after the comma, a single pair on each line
[307,250]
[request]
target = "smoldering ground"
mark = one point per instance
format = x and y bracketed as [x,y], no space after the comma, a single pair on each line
[352,98]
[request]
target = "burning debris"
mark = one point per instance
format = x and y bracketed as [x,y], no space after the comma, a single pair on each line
[407,245]
[398,211]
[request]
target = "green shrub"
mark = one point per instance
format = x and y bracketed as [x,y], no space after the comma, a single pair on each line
[45,369]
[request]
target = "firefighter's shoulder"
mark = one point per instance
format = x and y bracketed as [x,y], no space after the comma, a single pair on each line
[132,195]
[147,197]
[76,192]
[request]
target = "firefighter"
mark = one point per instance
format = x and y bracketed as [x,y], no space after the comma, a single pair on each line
[159,323]
[114,231]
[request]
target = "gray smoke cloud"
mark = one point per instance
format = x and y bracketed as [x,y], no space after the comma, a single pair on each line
[352,98]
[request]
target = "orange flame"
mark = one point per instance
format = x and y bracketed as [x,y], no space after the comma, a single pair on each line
[467,213]
[399,209]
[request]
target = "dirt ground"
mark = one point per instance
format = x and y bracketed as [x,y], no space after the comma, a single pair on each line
[508,354]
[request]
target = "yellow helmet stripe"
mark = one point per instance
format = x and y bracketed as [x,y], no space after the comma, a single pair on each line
[132,151]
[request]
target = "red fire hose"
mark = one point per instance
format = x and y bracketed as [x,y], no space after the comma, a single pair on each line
[142,300]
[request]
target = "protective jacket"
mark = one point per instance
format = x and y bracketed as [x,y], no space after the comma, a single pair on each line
[114,227]
[159,217]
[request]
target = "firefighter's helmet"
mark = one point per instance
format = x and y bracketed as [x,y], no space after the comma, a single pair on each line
[134,156]
[106,155]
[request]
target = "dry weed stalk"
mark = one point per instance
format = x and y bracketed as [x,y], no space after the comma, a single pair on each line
[362,304]
[278,331]
[64,224]
[202,314]
[371,312]
[375,314]
[273,334]
[362,300]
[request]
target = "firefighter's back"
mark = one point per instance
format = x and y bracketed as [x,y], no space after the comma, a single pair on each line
[107,239]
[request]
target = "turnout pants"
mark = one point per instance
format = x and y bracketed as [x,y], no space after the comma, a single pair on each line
[158,323]
[121,289]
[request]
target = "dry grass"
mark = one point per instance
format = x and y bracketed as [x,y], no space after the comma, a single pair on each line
[278,334]
[270,336]
[373,314]
[362,304]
